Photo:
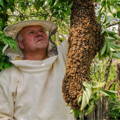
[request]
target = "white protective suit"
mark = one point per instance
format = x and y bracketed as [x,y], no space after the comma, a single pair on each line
[31,90]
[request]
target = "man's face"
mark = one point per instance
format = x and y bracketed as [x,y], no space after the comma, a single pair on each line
[33,38]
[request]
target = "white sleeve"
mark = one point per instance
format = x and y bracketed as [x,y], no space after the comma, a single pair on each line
[63,49]
[6,100]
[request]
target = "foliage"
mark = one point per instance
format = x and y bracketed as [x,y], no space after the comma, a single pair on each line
[7,40]
[92,92]
[114,109]
[4,6]
[4,60]
[110,48]
[108,14]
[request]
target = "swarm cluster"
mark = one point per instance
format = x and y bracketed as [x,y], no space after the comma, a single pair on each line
[85,41]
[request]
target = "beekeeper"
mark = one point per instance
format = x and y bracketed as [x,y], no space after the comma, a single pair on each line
[31,88]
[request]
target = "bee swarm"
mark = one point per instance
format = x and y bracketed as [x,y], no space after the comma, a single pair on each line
[84,42]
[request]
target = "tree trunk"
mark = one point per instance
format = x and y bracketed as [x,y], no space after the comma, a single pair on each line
[85,41]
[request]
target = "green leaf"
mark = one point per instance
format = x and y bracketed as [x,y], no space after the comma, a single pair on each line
[102,52]
[110,38]
[109,93]
[38,4]
[1,3]
[88,93]
[87,85]
[79,100]
[84,101]
[75,112]
[115,46]
[8,40]
[116,55]
[98,85]
[86,97]
[109,33]
[108,45]
[117,37]
[90,108]
[118,14]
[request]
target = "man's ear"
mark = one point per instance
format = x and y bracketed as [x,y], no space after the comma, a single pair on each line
[21,45]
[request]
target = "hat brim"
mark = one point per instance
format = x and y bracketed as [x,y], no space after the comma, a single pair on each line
[13,30]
